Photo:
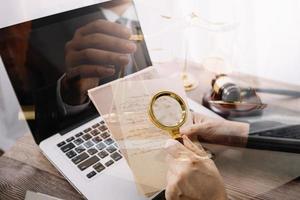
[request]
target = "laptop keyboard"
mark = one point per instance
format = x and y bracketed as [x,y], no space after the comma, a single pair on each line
[92,150]
[289,132]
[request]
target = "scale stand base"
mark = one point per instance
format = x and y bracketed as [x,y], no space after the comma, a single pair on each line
[189,82]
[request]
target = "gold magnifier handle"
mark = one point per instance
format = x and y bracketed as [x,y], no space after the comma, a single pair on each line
[176,135]
[179,139]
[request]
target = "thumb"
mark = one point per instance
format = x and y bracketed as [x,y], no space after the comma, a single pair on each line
[196,148]
[194,130]
[175,149]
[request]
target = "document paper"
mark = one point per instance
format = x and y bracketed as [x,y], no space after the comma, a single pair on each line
[140,140]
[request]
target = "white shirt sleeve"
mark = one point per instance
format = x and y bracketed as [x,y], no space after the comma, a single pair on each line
[64,108]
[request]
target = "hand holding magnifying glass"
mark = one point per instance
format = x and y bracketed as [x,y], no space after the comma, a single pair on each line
[168,111]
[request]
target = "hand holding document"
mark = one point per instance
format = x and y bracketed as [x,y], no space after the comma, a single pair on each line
[141,142]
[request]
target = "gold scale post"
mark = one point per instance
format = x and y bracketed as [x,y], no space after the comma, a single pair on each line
[189,82]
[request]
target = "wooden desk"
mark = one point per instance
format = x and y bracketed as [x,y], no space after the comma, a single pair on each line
[248,174]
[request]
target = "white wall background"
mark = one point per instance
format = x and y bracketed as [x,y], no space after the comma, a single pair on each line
[267,42]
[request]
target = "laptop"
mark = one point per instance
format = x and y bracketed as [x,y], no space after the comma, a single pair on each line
[275,136]
[73,137]
[278,129]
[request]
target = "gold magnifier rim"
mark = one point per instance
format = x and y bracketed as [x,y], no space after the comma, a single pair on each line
[181,103]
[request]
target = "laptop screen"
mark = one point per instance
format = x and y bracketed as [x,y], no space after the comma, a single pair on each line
[53,61]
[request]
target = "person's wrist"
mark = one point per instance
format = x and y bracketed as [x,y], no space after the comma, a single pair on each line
[71,95]
[238,132]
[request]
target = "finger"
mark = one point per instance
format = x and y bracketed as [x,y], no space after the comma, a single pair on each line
[98,57]
[176,149]
[89,71]
[171,176]
[194,129]
[104,42]
[191,146]
[106,27]
[199,118]
[172,191]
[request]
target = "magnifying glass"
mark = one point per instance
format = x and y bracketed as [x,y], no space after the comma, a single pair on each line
[168,111]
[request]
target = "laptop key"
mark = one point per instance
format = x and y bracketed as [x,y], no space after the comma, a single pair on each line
[111,149]
[105,135]
[79,149]
[61,144]
[109,163]
[97,139]
[109,141]
[102,122]
[80,158]
[87,137]
[70,139]
[95,125]
[71,154]
[78,141]
[79,134]
[87,130]
[88,144]
[99,167]
[91,174]
[95,132]
[87,163]
[67,147]
[92,151]
[103,128]
[102,154]
[100,146]
[116,156]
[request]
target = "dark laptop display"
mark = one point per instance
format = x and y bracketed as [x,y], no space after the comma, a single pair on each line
[53,61]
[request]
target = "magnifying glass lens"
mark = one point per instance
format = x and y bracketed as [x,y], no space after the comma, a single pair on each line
[167,111]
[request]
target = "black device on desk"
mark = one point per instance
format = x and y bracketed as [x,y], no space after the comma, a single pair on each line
[271,135]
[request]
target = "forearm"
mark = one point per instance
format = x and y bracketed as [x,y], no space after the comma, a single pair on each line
[218,131]
[64,108]
[238,133]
